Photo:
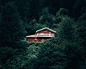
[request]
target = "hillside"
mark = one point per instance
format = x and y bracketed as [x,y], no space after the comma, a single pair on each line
[19,18]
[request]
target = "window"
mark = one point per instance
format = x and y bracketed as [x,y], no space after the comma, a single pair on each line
[49,33]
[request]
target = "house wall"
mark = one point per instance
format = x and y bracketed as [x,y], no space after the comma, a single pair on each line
[45,32]
[31,39]
[37,39]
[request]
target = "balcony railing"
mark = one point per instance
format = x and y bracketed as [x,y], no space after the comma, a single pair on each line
[45,35]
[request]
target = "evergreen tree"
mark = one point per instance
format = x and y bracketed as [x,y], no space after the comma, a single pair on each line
[67,29]
[35,9]
[46,18]
[46,57]
[53,6]
[74,55]
[81,32]
[23,8]
[68,5]
[81,29]
[63,11]
[33,26]
[58,18]
[79,8]
[11,27]
[82,17]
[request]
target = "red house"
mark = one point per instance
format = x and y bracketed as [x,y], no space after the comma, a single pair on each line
[41,34]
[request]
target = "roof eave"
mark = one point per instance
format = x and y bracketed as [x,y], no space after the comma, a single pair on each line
[39,36]
[47,29]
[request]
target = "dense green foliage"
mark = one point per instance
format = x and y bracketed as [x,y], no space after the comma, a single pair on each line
[66,50]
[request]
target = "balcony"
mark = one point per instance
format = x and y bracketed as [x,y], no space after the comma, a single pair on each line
[45,35]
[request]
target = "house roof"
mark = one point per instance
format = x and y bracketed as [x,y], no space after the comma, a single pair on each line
[32,36]
[47,29]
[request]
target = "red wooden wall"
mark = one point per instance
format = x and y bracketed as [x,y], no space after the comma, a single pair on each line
[40,39]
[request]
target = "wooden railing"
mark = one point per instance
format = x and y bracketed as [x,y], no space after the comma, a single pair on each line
[45,34]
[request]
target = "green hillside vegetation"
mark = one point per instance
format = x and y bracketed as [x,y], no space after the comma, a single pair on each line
[66,50]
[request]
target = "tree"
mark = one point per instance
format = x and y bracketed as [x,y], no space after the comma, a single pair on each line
[48,57]
[79,8]
[5,54]
[63,11]
[11,28]
[33,26]
[67,29]
[23,9]
[46,18]
[81,32]
[68,5]
[53,5]
[74,55]
[82,17]
[0,29]
[81,29]
[34,9]
[11,33]
[72,49]
[58,18]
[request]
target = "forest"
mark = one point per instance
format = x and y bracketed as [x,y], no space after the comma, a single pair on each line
[19,18]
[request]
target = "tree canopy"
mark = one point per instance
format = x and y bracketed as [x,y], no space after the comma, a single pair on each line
[66,50]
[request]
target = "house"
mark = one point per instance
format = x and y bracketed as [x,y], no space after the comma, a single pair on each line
[41,34]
